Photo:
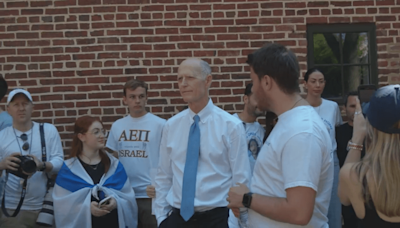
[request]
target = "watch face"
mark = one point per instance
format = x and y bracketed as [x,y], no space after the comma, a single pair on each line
[246,200]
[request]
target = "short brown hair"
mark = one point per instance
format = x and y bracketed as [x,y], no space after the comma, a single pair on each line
[279,63]
[134,84]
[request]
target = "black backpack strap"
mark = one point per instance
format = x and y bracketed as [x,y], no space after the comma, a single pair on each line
[3,207]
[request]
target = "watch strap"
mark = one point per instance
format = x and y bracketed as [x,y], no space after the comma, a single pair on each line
[247,198]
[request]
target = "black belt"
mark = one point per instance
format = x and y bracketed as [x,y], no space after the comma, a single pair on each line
[201,214]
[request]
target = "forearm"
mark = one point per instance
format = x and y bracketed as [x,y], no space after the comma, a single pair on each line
[49,167]
[161,206]
[354,155]
[238,158]
[55,163]
[277,209]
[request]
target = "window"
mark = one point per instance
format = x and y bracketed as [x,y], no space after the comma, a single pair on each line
[346,55]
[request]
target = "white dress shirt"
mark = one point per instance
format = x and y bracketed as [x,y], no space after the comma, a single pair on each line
[223,160]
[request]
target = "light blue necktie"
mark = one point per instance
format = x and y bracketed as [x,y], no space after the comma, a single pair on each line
[190,172]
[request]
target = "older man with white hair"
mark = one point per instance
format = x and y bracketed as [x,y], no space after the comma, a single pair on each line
[201,156]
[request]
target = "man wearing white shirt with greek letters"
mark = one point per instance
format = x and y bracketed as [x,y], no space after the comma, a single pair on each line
[136,139]
[202,155]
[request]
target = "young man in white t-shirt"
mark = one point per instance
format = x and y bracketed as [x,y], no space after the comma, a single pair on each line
[23,139]
[254,135]
[135,139]
[254,131]
[293,175]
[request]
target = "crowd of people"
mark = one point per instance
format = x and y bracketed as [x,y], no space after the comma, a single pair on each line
[204,167]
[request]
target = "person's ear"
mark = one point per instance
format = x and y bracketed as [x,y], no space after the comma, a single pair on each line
[305,84]
[81,137]
[208,80]
[245,99]
[267,82]
[125,100]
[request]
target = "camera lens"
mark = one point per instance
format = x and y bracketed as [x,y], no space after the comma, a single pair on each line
[28,165]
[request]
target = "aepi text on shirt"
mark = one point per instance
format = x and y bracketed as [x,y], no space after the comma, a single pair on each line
[134,136]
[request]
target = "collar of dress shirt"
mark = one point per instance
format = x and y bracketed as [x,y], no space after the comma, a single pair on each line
[204,113]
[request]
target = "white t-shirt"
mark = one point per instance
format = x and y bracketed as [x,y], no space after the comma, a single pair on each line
[254,136]
[36,185]
[5,120]
[295,154]
[137,141]
[330,114]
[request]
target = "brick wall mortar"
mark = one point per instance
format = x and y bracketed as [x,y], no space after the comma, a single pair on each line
[75,55]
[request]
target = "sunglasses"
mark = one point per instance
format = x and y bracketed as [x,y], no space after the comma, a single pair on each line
[24,138]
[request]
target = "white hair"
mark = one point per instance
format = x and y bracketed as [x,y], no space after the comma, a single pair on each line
[205,68]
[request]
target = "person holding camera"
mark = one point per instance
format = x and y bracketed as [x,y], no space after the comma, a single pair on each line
[371,184]
[92,188]
[21,157]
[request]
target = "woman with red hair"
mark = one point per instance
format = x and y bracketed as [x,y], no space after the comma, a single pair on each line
[89,176]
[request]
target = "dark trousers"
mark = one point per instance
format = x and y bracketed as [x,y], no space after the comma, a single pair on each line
[215,218]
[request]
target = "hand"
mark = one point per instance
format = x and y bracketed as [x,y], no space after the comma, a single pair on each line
[151,191]
[236,212]
[38,162]
[112,204]
[360,125]
[10,162]
[96,211]
[235,196]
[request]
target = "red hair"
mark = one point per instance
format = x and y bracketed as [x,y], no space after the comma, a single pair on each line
[82,125]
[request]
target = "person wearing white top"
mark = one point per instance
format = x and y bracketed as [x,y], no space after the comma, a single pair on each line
[293,175]
[23,139]
[135,139]
[314,82]
[254,136]
[221,161]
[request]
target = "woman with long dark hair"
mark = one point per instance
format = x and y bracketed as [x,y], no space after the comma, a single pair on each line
[371,185]
[314,82]
[89,176]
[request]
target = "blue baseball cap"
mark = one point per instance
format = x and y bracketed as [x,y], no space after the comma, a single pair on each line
[383,109]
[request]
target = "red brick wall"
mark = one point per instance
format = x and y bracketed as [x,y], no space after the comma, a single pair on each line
[75,55]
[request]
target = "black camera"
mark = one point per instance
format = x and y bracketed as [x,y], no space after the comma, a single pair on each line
[27,165]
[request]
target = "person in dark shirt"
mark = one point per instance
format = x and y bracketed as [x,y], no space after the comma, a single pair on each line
[344,133]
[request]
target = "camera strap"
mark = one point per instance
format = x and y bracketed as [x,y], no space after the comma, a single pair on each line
[3,207]
[44,154]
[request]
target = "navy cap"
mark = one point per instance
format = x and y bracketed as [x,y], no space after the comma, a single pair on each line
[383,110]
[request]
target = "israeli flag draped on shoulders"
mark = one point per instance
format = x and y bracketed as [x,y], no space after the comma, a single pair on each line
[74,188]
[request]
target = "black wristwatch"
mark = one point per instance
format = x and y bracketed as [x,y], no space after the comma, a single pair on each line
[247,199]
[43,167]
